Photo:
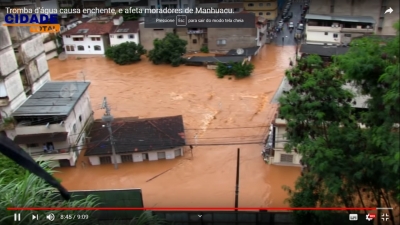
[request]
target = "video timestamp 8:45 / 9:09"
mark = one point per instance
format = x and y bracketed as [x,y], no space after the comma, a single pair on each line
[74,216]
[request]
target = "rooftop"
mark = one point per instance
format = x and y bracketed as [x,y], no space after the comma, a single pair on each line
[247,51]
[351,19]
[323,50]
[126,27]
[91,28]
[51,99]
[137,135]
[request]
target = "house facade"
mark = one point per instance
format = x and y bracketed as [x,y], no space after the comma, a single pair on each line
[265,8]
[148,35]
[196,37]
[333,30]
[225,39]
[137,140]
[124,31]
[375,9]
[90,38]
[50,124]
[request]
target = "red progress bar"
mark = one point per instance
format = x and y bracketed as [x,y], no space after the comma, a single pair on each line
[182,209]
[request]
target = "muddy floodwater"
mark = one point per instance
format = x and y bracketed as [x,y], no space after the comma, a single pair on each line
[220,114]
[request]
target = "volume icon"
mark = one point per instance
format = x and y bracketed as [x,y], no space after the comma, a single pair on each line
[50,217]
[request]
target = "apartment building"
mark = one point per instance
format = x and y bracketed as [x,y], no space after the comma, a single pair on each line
[265,8]
[148,35]
[195,37]
[357,8]
[23,70]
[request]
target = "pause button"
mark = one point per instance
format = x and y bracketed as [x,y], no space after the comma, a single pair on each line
[17,217]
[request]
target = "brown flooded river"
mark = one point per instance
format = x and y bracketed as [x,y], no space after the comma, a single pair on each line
[209,105]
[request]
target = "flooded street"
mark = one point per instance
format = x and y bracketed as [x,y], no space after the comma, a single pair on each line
[220,115]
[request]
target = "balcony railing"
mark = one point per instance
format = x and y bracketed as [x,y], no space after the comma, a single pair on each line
[23,129]
[358,30]
[37,152]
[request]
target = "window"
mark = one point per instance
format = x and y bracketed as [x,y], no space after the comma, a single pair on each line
[177,152]
[95,39]
[287,158]
[326,33]
[161,155]
[268,13]
[260,13]
[205,40]
[158,29]
[97,48]
[194,41]
[347,35]
[34,145]
[268,4]
[77,39]
[67,48]
[80,118]
[335,35]
[81,48]
[68,36]
[250,5]
[131,36]
[332,8]
[221,42]
[105,160]
[260,4]
[120,36]
[126,158]
[74,128]
[72,48]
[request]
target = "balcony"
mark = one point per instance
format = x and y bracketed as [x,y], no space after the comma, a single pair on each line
[358,30]
[24,129]
[197,31]
[323,29]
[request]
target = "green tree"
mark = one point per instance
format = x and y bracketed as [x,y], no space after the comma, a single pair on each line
[10,170]
[132,15]
[343,165]
[168,50]
[125,53]
[239,70]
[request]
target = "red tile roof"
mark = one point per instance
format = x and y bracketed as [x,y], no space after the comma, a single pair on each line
[126,27]
[92,27]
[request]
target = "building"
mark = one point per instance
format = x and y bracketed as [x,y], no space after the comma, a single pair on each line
[225,39]
[375,9]
[95,3]
[265,8]
[324,51]
[195,37]
[235,5]
[148,35]
[207,4]
[124,31]
[171,4]
[90,38]
[134,4]
[23,69]
[333,30]
[50,125]
[137,140]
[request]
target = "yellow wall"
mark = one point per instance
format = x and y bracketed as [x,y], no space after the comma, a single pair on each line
[270,15]
[260,5]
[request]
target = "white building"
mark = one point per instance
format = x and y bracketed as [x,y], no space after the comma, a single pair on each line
[333,30]
[55,116]
[124,31]
[137,140]
[88,39]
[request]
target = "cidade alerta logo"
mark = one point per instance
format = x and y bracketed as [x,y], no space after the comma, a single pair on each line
[37,22]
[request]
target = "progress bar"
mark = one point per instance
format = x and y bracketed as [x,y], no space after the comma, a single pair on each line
[384,208]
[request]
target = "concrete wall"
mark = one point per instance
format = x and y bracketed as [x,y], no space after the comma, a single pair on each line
[8,63]
[138,157]
[19,33]
[148,35]
[361,8]
[13,85]
[200,39]
[5,39]
[280,137]
[36,68]
[235,38]
[87,43]
[116,39]
[40,82]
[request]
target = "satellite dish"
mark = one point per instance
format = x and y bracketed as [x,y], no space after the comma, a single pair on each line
[68,90]
[62,56]
[240,51]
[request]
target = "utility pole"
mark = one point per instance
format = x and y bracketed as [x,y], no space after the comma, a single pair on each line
[108,118]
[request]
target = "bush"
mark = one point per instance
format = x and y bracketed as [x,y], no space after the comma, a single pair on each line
[204,49]
[125,53]
[239,70]
[168,50]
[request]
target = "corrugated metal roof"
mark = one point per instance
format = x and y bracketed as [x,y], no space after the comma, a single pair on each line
[354,19]
[323,50]
[47,101]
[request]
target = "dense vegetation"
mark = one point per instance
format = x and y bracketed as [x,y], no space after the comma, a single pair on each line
[168,50]
[238,69]
[350,157]
[125,53]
